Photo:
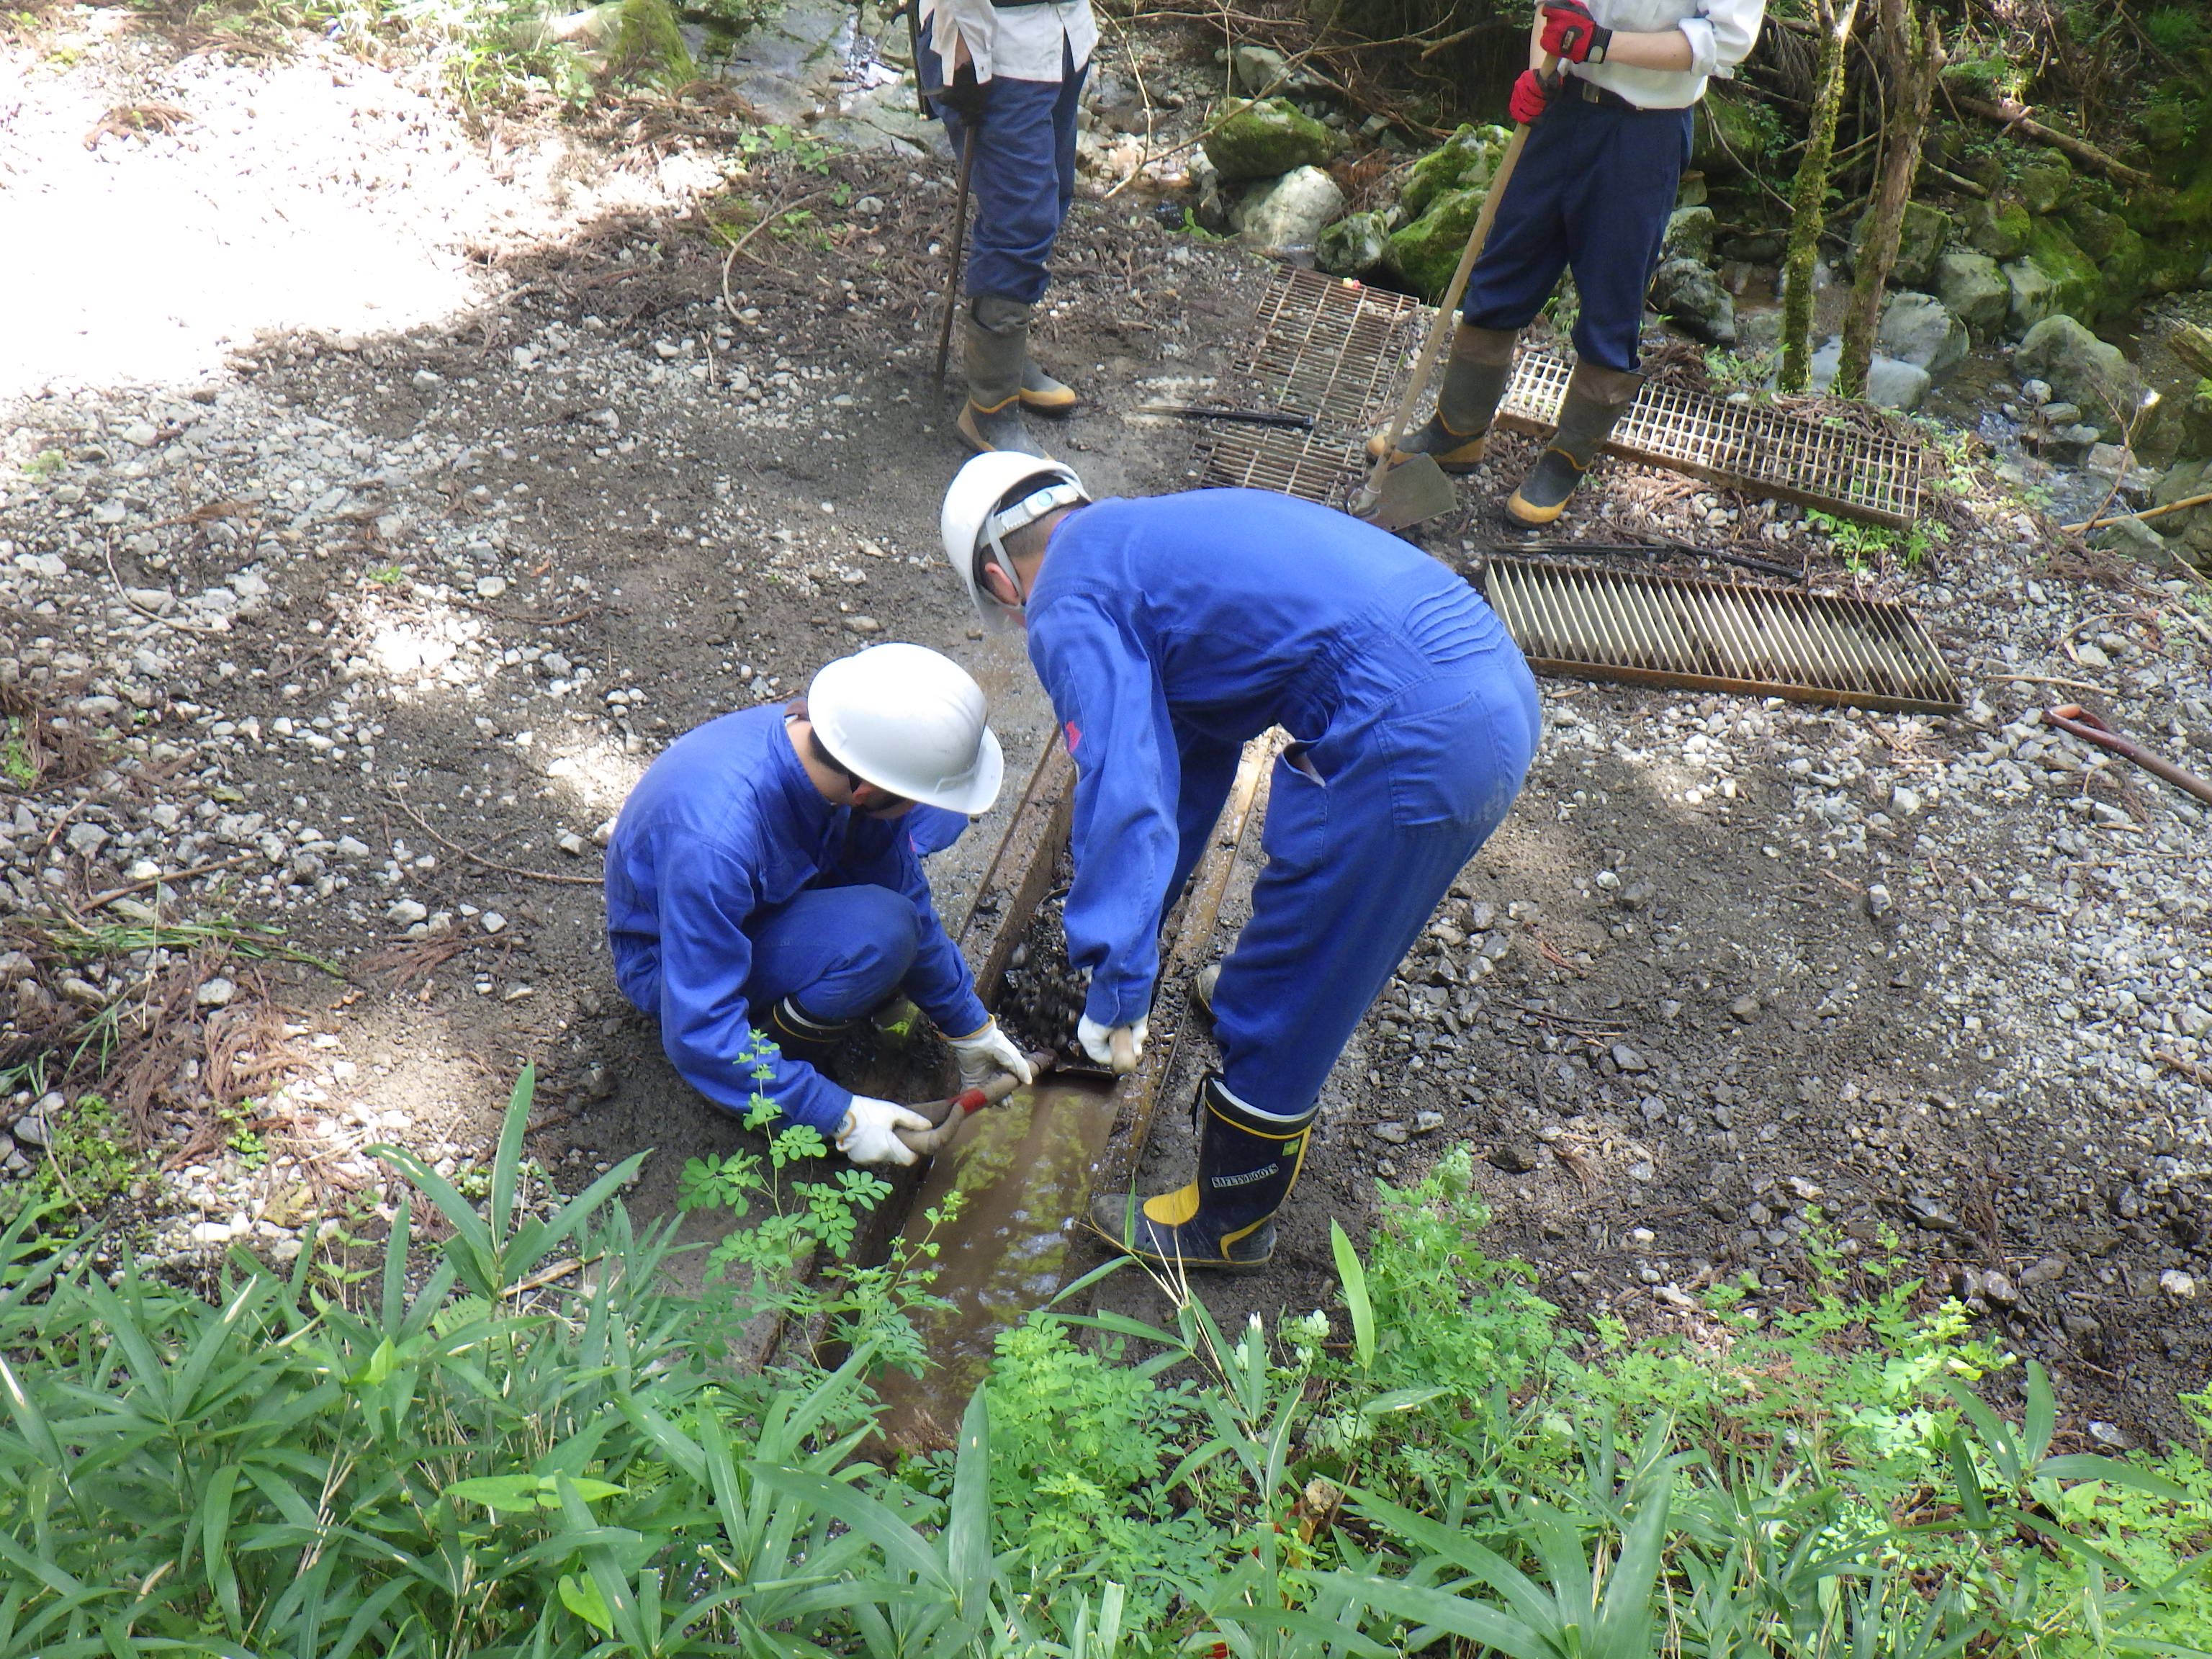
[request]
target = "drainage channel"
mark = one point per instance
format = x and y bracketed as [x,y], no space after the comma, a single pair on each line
[1025,1170]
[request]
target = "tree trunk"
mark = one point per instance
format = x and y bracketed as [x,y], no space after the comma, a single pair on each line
[1912,52]
[1808,199]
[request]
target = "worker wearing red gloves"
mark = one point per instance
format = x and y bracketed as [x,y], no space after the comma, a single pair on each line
[1596,183]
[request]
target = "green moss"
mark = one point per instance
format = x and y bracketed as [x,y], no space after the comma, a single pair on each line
[1997,227]
[1264,139]
[1732,135]
[2074,276]
[1463,161]
[1425,252]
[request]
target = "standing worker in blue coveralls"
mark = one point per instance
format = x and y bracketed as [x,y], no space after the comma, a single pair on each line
[1004,76]
[763,889]
[1595,185]
[1168,632]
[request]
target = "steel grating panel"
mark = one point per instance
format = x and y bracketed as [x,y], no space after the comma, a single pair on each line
[1337,350]
[1320,346]
[1652,629]
[1740,446]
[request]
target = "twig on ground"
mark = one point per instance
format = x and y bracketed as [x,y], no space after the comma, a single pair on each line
[424,826]
[98,900]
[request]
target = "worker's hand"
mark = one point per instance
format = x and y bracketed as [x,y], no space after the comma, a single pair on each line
[1097,1040]
[1572,34]
[1528,99]
[951,26]
[867,1134]
[964,94]
[982,1054]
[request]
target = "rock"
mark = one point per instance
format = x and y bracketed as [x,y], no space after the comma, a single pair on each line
[863,625]
[1259,69]
[1628,1059]
[1514,1156]
[2133,538]
[1997,227]
[1266,139]
[1878,901]
[1730,134]
[2043,184]
[2084,370]
[406,913]
[2080,1327]
[2047,1270]
[423,380]
[1423,253]
[1425,1123]
[571,843]
[1919,329]
[1745,1008]
[1903,801]
[492,922]
[1687,294]
[2195,1020]
[1920,239]
[1890,384]
[1355,246]
[1463,161]
[32,1129]
[2031,296]
[2195,442]
[1997,1290]
[2075,284]
[2181,1286]
[215,993]
[1975,291]
[1290,213]
[1689,235]
[1392,1133]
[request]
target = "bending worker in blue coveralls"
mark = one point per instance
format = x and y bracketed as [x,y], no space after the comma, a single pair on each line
[1169,631]
[763,889]
[1004,76]
[1592,192]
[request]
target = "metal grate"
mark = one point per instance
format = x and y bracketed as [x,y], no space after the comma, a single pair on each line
[1324,347]
[1336,349]
[1740,445]
[1652,629]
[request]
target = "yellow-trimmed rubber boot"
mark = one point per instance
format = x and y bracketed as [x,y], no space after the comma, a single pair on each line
[1043,395]
[994,349]
[1475,377]
[798,1036]
[1224,1220]
[1596,400]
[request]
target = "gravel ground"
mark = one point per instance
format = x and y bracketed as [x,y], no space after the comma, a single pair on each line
[357,627]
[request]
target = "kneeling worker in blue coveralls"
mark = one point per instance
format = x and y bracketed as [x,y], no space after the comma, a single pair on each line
[1169,631]
[1593,191]
[761,886]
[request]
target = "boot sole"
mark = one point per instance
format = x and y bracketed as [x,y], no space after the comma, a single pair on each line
[1052,409]
[1463,461]
[1525,511]
[1189,1264]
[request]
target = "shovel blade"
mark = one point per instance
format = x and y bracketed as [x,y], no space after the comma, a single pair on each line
[1412,490]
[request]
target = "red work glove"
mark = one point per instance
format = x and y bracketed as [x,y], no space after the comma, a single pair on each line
[1572,34]
[1528,99]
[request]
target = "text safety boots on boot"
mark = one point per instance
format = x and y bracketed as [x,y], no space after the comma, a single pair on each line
[798,1036]
[1475,378]
[1596,400]
[1248,1162]
[994,337]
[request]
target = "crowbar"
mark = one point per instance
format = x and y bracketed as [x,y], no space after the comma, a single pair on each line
[959,245]
[2071,717]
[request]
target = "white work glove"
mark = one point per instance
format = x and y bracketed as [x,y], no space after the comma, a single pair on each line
[982,1054]
[1097,1040]
[865,1136]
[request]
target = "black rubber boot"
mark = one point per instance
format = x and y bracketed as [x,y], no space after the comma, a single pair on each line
[995,340]
[1224,1220]
[1201,990]
[1475,377]
[798,1036]
[1043,395]
[1596,400]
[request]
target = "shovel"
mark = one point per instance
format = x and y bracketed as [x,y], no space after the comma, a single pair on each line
[947,1115]
[1395,497]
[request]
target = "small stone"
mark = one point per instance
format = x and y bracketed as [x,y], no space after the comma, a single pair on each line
[1393,1133]
[1642,1237]
[1904,802]
[490,588]
[2080,1327]
[1425,1122]
[407,912]
[1878,901]
[1513,1157]
[1628,1059]
[423,380]
[1998,1290]
[863,625]
[2180,1285]
[571,843]
[31,1130]
[492,922]
[1635,896]
[2047,1270]
[604,834]
[215,993]
[2108,1434]
[2091,656]
[1642,1169]
[1745,1007]
[353,851]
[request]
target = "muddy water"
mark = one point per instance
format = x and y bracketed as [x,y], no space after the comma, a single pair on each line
[1022,1170]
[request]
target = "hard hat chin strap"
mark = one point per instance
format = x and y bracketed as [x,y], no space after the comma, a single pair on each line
[1019,516]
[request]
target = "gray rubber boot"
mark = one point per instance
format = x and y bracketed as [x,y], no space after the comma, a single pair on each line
[1043,395]
[1476,375]
[1596,400]
[994,350]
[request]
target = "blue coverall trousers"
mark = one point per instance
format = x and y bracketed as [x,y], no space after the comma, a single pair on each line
[837,951]
[1367,828]
[1024,176]
[1592,192]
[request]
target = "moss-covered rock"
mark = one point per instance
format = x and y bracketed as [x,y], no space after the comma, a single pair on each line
[1920,241]
[1354,246]
[2083,370]
[2074,283]
[1975,290]
[1425,252]
[2045,182]
[2196,441]
[1463,161]
[1731,134]
[1997,227]
[1689,234]
[1268,138]
[2191,527]
[1686,293]
[2094,231]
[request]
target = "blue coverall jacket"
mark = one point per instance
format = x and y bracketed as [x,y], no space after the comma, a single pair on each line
[1169,630]
[731,882]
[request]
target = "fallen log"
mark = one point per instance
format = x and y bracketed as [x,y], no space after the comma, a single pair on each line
[2011,113]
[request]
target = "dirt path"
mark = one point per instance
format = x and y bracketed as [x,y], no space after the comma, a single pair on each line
[373,613]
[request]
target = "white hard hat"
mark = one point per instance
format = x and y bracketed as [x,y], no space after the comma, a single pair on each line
[908,720]
[970,519]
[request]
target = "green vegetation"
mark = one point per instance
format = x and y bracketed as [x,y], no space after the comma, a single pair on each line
[500,1456]
[1864,547]
[88,1162]
[15,756]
